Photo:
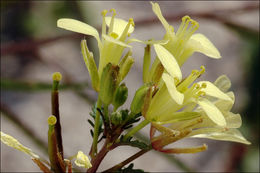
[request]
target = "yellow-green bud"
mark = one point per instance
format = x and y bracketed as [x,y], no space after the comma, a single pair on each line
[120,96]
[56,76]
[139,99]
[109,83]
[52,120]
[116,118]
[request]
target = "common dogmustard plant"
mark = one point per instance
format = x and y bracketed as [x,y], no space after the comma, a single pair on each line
[174,106]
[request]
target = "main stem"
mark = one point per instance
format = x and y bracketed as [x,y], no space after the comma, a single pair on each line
[136,129]
[99,157]
[96,129]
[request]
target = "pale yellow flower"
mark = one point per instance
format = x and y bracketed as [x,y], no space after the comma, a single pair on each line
[184,42]
[82,160]
[176,97]
[202,126]
[111,44]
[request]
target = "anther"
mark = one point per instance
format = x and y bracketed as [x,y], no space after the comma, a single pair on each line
[203,85]
[202,69]
[104,13]
[113,10]
[131,21]
[201,93]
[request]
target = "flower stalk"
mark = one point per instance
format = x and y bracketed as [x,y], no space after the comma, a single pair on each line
[55,110]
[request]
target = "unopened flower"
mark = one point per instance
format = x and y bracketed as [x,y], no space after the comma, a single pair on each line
[82,160]
[111,44]
[184,42]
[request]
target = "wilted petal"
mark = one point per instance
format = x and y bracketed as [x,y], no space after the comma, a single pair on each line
[168,61]
[200,43]
[212,111]
[170,84]
[12,142]
[82,160]
[212,90]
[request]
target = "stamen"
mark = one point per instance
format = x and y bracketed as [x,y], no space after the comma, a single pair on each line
[125,32]
[176,81]
[185,31]
[190,79]
[189,124]
[111,25]
[104,13]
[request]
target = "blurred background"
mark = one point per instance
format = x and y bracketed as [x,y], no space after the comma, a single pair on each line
[32,48]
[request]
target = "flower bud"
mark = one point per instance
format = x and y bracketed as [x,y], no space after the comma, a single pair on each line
[109,83]
[139,99]
[116,118]
[120,96]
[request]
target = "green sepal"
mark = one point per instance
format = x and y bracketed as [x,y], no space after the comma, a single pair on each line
[109,83]
[90,64]
[120,96]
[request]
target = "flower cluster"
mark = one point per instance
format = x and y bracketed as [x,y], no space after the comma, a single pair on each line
[176,107]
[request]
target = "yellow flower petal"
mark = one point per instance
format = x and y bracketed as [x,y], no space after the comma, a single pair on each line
[78,26]
[82,160]
[225,105]
[230,135]
[176,117]
[199,43]
[223,83]
[12,142]
[112,40]
[175,94]
[168,61]
[119,25]
[212,112]
[212,90]
[233,120]
[157,11]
